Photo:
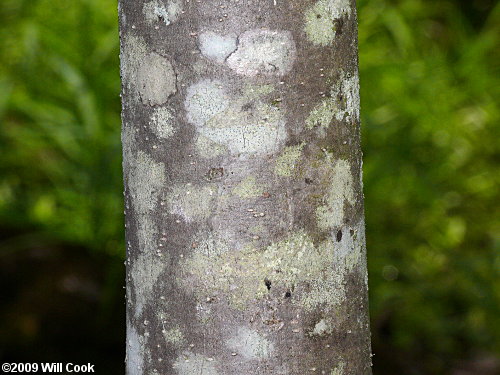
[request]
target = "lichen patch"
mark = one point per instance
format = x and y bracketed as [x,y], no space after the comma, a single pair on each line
[320,20]
[322,115]
[135,351]
[286,163]
[156,11]
[174,337]
[216,47]
[339,369]
[204,100]
[347,88]
[244,124]
[341,191]
[189,363]
[191,202]
[292,262]
[263,52]
[162,123]
[156,79]
[146,178]
[248,188]
[145,271]
[250,344]
[321,328]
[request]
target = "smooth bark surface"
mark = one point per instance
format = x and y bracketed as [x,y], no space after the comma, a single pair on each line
[244,205]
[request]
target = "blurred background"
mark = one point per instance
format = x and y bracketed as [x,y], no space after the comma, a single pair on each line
[430,86]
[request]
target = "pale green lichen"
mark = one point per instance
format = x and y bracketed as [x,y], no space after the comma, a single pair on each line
[253,92]
[286,163]
[322,115]
[161,123]
[331,214]
[339,369]
[250,344]
[191,202]
[208,149]
[320,20]
[241,274]
[174,337]
[189,363]
[248,188]
[263,52]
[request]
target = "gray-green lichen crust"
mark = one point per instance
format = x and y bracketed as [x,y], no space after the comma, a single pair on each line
[320,20]
[288,263]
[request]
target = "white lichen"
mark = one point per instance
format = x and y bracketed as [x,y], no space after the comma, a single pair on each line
[135,351]
[263,52]
[216,47]
[349,251]
[244,124]
[156,11]
[321,328]
[320,20]
[250,344]
[162,123]
[204,100]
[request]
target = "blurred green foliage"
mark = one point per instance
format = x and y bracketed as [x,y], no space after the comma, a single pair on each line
[430,86]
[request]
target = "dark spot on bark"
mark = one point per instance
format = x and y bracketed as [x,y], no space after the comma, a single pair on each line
[215,173]
[266,195]
[352,232]
[288,294]
[308,181]
[247,106]
[338,24]
[268,284]
[318,16]
[339,236]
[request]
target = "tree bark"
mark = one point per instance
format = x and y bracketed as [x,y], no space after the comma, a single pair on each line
[243,192]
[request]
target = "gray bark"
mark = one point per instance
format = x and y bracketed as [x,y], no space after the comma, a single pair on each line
[243,193]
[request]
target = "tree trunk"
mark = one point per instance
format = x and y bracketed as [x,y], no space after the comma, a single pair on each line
[243,193]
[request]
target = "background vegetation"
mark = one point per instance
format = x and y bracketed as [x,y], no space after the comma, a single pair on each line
[430,89]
